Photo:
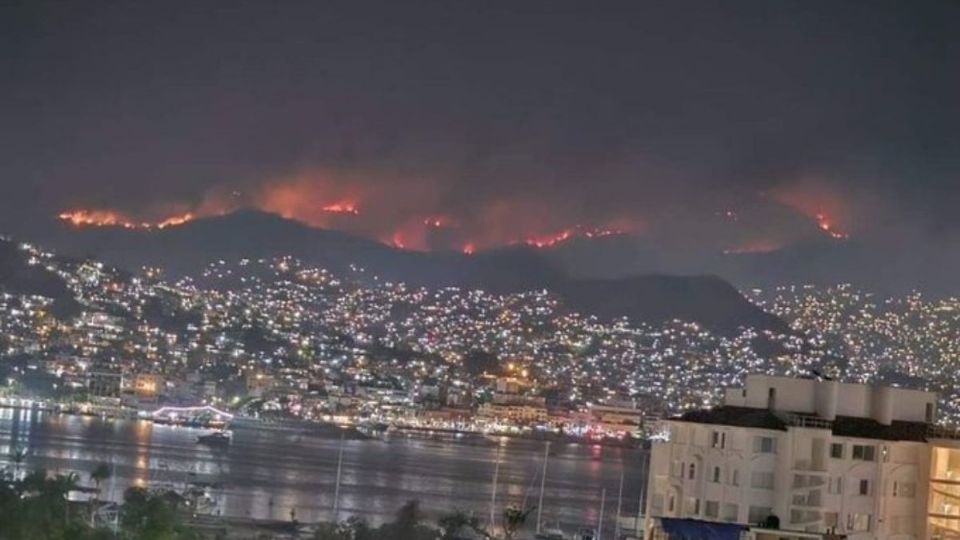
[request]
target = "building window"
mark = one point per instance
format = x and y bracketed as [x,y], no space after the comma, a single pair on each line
[831,520]
[761,480]
[731,512]
[735,477]
[719,439]
[693,506]
[864,487]
[864,452]
[672,504]
[757,514]
[716,474]
[906,490]
[836,450]
[764,445]
[711,509]
[692,471]
[859,522]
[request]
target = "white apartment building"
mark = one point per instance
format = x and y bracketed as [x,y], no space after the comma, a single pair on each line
[823,457]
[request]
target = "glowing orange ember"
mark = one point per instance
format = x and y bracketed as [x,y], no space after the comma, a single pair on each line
[175,220]
[546,241]
[342,208]
[437,222]
[549,241]
[827,226]
[818,202]
[397,241]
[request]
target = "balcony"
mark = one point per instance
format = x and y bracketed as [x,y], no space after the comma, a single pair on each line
[803,518]
[812,499]
[810,465]
[801,481]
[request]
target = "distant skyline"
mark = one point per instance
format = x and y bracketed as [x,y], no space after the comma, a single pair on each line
[737,127]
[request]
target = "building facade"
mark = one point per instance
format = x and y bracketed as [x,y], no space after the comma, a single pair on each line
[811,456]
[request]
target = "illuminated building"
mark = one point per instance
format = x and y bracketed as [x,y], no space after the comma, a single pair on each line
[104,383]
[617,417]
[147,386]
[519,412]
[821,456]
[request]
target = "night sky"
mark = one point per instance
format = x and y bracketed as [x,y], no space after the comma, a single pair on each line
[716,125]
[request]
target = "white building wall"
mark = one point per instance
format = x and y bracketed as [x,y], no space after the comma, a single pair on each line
[808,485]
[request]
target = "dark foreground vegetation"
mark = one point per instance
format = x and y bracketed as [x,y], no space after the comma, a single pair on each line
[38,506]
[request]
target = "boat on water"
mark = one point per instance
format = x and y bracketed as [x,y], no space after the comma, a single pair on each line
[217,438]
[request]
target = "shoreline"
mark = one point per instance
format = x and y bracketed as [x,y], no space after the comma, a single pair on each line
[311,427]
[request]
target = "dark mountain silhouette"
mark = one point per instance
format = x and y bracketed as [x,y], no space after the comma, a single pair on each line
[708,300]
[254,234]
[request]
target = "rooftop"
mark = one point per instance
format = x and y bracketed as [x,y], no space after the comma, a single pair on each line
[843,426]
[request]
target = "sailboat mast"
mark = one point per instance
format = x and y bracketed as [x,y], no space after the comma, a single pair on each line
[616,525]
[643,490]
[603,500]
[493,494]
[336,490]
[543,482]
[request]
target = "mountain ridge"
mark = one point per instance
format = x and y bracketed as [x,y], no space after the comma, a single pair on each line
[651,298]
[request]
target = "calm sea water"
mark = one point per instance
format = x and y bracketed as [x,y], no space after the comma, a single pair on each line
[264,473]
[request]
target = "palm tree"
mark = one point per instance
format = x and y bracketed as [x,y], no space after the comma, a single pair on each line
[65,483]
[99,474]
[453,525]
[60,487]
[513,519]
[33,482]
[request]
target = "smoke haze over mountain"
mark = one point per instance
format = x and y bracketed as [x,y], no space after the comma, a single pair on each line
[699,128]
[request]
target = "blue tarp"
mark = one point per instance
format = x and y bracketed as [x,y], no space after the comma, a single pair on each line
[694,529]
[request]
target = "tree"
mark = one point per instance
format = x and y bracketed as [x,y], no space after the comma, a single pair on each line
[61,487]
[333,531]
[513,520]
[407,525]
[354,528]
[42,510]
[36,508]
[99,474]
[153,516]
[453,525]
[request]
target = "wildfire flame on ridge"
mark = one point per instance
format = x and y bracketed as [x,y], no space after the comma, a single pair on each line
[109,218]
[547,241]
[345,207]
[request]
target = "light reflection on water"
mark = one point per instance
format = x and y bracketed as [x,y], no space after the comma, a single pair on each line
[266,473]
